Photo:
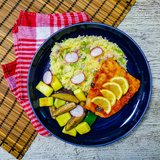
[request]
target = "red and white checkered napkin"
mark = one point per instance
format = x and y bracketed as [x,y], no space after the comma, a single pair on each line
[29,32]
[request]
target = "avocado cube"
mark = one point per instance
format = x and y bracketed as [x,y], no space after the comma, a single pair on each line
[71,132]
[59,102]
[56,85]
[83,128]
[46,101]
[79,94]
[44,88]
[63,119]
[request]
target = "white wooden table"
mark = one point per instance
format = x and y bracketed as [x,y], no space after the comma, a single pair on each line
[142,23]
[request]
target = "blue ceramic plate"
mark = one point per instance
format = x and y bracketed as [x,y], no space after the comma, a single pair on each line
[104,131]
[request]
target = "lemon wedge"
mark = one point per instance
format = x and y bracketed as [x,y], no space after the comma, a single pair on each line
[115,88]
[109,95]
[122,82]
[102,102]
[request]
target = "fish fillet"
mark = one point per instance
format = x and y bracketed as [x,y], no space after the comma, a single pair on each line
[108,70]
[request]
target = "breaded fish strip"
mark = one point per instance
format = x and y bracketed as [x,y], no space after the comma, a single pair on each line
[108,70]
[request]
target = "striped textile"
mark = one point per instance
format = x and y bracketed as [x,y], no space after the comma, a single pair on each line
[29,32]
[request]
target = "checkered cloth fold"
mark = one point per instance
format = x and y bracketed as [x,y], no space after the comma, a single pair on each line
[29,32]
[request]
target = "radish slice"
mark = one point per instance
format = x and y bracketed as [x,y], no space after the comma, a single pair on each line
[47,77]
[77,112]
[71,57]
[78,78]
[96,52]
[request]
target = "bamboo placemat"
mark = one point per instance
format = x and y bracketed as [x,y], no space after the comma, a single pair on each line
[16,131]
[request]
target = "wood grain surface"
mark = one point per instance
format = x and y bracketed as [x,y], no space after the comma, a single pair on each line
[142,23]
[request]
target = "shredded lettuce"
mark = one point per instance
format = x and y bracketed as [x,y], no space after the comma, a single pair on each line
[87,51]
[61,67]
[83,59]
[94,72]
[61,56]
[71,65]
[102,61]
[118,50]
[64,40]
[67,51]
[55,59]
[121,60]
[84,44]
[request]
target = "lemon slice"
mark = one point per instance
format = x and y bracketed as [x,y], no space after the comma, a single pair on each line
[122,82]
[102,102]
[115,88]
[109,95]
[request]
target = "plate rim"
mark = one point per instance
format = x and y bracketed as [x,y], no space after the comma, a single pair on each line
[149,95]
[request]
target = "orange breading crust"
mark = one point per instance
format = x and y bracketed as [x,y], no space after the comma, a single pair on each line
[108,70]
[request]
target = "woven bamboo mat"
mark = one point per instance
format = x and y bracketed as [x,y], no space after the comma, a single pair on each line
[16,131]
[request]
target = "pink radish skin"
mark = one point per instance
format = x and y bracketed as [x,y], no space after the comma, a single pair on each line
[78,111]
[47,77]
[96,51]
[78,79]
[71,57]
